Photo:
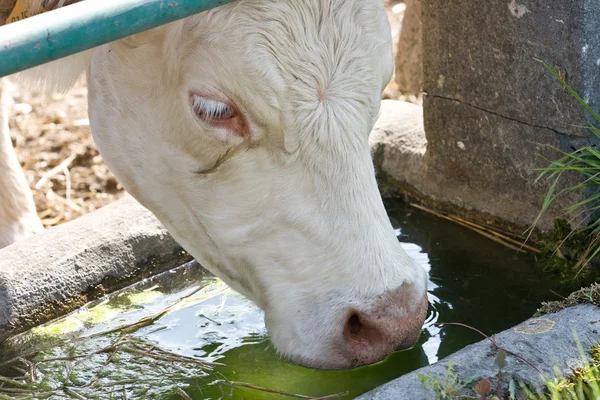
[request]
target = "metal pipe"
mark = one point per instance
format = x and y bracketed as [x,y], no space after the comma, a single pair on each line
[81,26]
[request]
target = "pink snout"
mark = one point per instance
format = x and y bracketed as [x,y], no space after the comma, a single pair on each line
[393,322]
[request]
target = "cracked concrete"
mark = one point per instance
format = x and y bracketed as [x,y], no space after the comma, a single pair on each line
[499,71]
[477,178]
[492,112]
[506,116]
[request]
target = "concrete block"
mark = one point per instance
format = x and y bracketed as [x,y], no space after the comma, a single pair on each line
[547,342]
[490,107]
[62,268]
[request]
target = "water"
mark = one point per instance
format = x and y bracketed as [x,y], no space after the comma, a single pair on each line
[473,280]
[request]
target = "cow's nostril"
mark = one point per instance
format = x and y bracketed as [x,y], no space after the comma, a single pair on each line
[354,324]
[393,322]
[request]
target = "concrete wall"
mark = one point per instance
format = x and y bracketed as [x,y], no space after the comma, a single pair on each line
[491,109]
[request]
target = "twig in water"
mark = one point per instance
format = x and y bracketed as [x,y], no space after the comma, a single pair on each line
[332,396]
[72,358]
[124,329]
[169,357]
[12,382]
[497,234]
[297,396]
[583,260]
[70,367]
[20,370]
[558,294]
[73,393]
[482,230]
[14,390]
[18,358]
[183,394]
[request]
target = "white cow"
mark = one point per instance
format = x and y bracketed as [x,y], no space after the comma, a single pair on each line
[245,131]
[18,217]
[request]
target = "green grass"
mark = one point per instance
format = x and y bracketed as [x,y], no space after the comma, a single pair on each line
[447,388]
[584,161]
[582,384]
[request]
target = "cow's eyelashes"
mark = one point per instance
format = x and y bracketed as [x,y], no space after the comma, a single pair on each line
[212,110]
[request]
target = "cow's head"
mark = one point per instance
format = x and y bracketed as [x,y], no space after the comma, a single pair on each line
[244,130]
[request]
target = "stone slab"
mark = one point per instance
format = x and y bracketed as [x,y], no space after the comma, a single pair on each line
[493,165]
[476,178]
[62,268]
[484,54]
[398,140]
[486,91]
[547,341]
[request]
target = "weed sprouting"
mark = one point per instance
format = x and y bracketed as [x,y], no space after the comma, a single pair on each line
[584,161]
[446,388]
[582,384]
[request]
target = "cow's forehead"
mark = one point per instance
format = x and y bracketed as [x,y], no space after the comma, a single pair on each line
[312,40]
[321,64]
[309,41]
[324,56]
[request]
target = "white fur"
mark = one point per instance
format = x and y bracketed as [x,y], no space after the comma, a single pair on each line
[56,76]
[293,219]
[18,217]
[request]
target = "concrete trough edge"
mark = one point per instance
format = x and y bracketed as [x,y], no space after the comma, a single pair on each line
[62,268]
[547,341]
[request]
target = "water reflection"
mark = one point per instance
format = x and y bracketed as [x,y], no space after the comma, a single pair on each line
[468,283]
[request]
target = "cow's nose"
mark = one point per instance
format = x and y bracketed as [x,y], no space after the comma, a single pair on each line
[394,322]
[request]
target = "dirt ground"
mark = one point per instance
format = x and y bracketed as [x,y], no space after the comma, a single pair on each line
[65,171]
[61,162]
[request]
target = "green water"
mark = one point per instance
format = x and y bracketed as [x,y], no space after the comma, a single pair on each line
[472,280]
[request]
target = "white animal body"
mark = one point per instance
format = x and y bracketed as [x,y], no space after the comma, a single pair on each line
[245,129]
[18,217]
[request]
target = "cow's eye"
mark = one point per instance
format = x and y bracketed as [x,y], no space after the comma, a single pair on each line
[212,110]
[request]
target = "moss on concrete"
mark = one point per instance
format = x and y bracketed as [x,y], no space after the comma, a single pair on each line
[588,295]
[562,249]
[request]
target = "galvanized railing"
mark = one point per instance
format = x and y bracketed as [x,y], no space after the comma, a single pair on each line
[84,25]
